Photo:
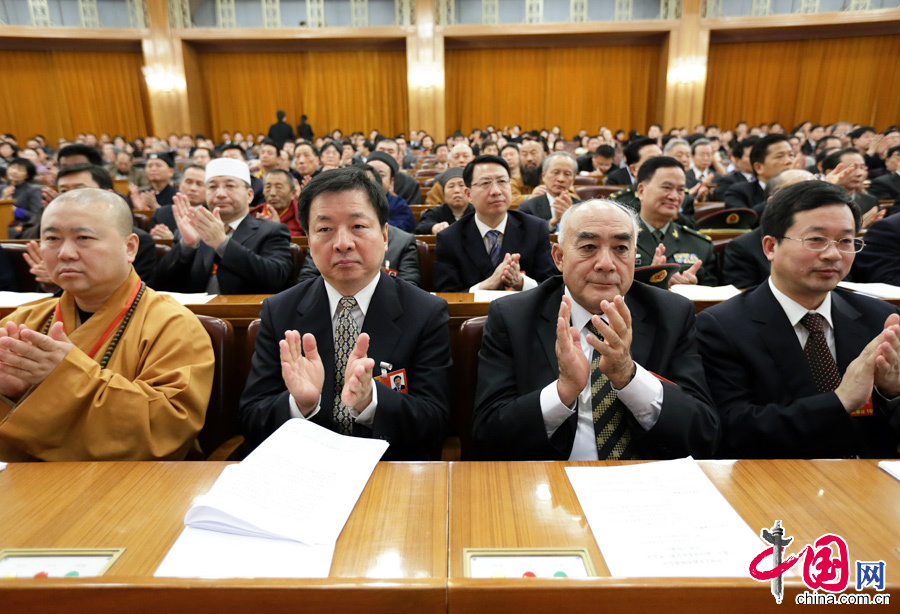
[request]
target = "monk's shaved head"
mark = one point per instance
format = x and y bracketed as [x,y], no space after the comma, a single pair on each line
[118,215]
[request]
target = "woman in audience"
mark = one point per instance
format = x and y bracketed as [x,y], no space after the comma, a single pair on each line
[19,175]
[330,156]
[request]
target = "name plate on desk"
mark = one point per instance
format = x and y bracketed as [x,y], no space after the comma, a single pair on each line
[57,562]
[527,563]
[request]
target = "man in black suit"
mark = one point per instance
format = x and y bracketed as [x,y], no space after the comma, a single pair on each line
[456,204]
[222,249]
[539,360]
[405,186]
[280,131]
[303,366]
[887,187]
[636,153]
[745,264]
[598,162]
[853,180]
[193,186]
[792,365]
[743,170]
[879,262]
[701,164]
[769,156]
[559,169]
[496,247]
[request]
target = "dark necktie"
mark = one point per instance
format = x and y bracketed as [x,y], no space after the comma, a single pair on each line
[346,330]
[659,236]
[821,362]
[494,237]
[614,438]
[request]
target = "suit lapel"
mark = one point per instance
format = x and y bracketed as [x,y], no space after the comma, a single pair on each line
[774,328]
[512,238]
[643,330]
[474,246]
[850,335]
[381,322]
[547,333]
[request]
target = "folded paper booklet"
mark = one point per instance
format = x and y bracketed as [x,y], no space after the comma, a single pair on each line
[300,486]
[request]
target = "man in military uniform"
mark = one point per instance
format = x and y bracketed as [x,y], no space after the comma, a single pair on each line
[660,191]
[629,197]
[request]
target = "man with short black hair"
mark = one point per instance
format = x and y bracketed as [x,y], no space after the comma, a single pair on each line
[854,181]
[281,131]
[269,157]
[320,343]
[887,187]
[793,364]
[769,156]
[223,250]
[497,247]
[598,162]
[636,153]
[387,169]
[78,153]
[160,168]
[193,186]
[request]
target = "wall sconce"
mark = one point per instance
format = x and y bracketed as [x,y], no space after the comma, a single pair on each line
[424,75]
[162,79]
[688,70]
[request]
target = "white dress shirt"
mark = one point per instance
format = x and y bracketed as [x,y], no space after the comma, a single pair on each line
[528,283]
[643,397]
[795,312]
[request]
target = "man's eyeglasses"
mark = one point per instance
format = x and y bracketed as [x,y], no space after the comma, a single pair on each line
[820,244]
[486,185]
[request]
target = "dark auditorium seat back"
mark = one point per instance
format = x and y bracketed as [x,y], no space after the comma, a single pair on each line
[24,278]
[587,192]
[426,265]
[221,413]
[298,257]
[465,367]
[585,180]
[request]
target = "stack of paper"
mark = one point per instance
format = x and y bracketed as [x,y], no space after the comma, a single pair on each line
[663,520]
[278,513]
[486,296]
[876,290]
[705,293]
[14,299]
[198,298]
[892,467]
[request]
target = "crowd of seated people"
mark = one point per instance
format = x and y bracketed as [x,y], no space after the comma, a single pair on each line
[224,214]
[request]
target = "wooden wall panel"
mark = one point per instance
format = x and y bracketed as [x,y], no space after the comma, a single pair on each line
[572,87]
[61,93]
[823,80]
[350,90]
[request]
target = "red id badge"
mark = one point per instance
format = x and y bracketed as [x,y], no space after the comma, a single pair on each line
[395,380]
[865,410]
[391,272]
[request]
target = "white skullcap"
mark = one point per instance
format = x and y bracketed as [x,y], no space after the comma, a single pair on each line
[226,167]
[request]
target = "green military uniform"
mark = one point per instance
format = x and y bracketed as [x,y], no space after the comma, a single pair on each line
[628,196]
[684,246]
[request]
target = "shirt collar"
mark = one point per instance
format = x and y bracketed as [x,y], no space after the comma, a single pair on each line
[795,311]
[363,297]
[483,228]
[235,223]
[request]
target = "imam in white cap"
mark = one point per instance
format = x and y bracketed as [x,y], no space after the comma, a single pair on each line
[226,167]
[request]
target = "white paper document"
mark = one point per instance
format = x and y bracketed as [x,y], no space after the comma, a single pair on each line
[705,293]
[198,298]
[14,299]
[486,296]
[289,498]
[663,520]
[209,554]
[892,467]
[876,290]
[2,466]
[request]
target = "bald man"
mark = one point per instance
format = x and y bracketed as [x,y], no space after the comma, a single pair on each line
[110,370]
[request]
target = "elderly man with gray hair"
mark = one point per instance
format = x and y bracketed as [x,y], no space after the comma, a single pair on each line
[110,370]
[559,171]
[612,371]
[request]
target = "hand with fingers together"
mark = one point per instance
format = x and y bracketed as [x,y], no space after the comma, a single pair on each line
[209,226]
[28,357]
[37,267]
[357,392]
[302,370]
[616,362]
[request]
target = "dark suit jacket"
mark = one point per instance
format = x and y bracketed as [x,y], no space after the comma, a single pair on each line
[886,187]
[518,359]
[164,215]
[879,261]
[257,260]
[407,328]
[723,182]
[864,201]
[462,261]
[763,387]
[280,132]
[745,263]
[436,215]
[618,176]
[407,188]
[539,206]
[691,178]
[744,195]
[401,254]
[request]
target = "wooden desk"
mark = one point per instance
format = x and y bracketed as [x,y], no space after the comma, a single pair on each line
[532,505]
[391,556]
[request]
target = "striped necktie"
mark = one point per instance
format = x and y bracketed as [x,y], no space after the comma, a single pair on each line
[614,437]
[494,237]
[346,331]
